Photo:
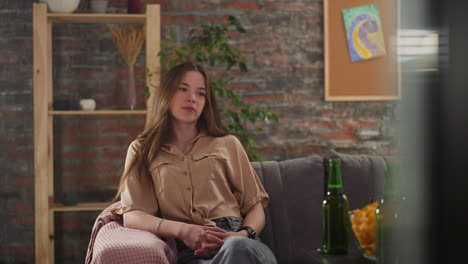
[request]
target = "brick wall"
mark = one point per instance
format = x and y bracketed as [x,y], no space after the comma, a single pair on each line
[284,45]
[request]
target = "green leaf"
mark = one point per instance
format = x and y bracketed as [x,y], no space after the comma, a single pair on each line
[232,19]
[243,67]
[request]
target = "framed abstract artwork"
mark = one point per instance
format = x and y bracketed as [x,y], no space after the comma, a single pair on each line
[364,32]
[360,59]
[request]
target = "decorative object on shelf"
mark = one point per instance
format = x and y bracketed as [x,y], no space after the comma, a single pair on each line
[129,40]
[98,6]
[87,103]
[133,6]
[61,6]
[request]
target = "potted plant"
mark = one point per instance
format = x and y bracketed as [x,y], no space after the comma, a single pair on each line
[87,102]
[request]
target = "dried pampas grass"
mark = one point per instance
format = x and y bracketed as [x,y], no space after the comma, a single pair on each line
[129,41]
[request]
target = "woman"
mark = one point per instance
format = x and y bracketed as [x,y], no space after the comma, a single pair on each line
[187,179]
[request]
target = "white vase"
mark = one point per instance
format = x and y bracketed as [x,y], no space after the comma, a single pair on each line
[88,104]
[62,6]
[98,6]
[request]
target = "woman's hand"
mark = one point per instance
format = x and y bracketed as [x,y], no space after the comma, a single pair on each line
[224,236]
[212,249]
[204,240]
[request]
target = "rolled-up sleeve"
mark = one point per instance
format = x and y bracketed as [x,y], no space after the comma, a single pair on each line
[247,187]
[138,193]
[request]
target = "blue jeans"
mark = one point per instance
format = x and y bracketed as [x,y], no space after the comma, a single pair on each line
[234,250]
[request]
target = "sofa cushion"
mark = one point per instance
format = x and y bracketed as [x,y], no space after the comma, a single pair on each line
[361,174]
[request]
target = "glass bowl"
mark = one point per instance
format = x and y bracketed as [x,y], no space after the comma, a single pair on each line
[355,241]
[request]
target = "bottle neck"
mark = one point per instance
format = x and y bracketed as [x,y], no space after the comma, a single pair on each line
[335,184]
[334,191]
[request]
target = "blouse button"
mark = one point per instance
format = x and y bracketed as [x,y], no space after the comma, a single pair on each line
[185,173]
[188,188]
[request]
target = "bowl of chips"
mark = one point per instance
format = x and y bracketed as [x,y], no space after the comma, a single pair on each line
[363,226]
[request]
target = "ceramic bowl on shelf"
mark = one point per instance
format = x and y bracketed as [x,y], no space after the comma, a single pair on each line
[62,6]
[88,104]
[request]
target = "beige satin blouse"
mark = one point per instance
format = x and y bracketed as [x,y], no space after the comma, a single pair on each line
[215,179]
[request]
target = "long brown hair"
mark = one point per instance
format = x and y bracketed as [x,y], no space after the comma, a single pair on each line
[157,133]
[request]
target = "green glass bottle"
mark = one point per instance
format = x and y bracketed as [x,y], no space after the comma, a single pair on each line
[386,215]
[335,218]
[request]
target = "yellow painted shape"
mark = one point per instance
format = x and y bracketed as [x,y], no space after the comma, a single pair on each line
[360,48]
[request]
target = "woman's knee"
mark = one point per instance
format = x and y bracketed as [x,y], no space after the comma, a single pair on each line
[246,250]
[238,243]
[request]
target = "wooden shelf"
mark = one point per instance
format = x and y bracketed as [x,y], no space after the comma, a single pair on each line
[97,112]
[79,207]
[96,18]
[42,23]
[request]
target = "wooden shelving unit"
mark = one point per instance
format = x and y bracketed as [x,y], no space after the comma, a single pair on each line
[44,204]
[96,18]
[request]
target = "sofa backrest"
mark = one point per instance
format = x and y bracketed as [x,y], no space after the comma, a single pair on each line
[296,188]
[293,219]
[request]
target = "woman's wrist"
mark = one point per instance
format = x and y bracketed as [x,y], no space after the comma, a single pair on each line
[168,228]
[243,233]
[182,230]
[158,226]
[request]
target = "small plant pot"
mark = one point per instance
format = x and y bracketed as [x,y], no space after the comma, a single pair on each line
[87,104]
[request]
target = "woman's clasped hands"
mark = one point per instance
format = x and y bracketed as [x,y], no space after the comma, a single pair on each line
[205,240]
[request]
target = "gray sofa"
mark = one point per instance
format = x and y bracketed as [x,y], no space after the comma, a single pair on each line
[296,188]
[293,218]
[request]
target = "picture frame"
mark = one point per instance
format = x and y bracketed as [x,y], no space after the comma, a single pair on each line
[373,79]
